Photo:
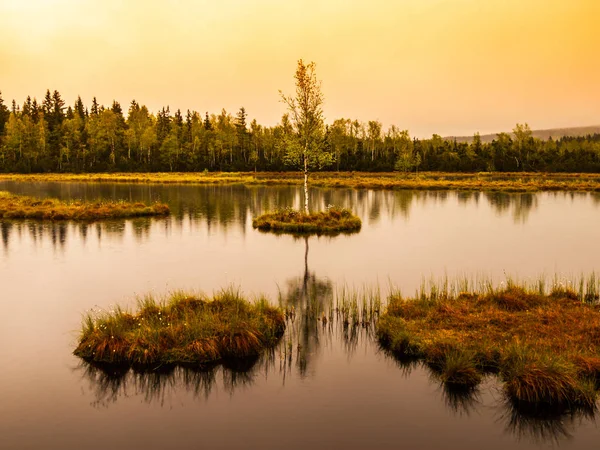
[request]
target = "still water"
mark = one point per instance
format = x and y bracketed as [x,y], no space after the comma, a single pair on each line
[340,390]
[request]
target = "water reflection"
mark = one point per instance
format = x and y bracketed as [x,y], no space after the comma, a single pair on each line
[328,362]
[462,401]
[542,425]
[219,208]
[109,383]
[518,205]
[312,324]
[306,298]
[222,207]
[525,422]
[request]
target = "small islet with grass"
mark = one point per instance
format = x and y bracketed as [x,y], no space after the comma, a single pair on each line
[32,208]
[332,221]
[183,329]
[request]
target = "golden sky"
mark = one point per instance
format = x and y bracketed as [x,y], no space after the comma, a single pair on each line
[429,66]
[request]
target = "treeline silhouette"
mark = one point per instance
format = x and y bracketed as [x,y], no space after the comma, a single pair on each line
[52,137]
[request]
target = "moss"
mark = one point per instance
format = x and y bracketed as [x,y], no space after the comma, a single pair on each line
[544,348]
[22,207]
[332,221]
[183,330]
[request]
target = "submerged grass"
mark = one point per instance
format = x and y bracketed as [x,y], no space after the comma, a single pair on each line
[22,207]
[544,347]
[185,329]
[332,221]
[483,181]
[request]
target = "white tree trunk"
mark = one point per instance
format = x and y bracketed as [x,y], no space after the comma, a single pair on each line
[305,185]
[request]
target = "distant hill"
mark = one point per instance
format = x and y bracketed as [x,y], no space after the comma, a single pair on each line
[556,133]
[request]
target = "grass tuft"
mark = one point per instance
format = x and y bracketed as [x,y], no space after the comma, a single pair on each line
[184,329]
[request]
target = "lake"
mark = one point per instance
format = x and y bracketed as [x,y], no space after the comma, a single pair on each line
[334,389]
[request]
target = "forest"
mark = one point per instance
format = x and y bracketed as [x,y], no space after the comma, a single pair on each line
[53,137]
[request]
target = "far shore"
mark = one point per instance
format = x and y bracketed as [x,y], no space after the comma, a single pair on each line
[481,181]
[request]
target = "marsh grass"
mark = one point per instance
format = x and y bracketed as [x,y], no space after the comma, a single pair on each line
[541,339]
[184,329]
[332,221]
[358,307]
[483,181]
[22,207]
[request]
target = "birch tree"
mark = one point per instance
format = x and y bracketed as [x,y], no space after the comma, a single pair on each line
[305,147]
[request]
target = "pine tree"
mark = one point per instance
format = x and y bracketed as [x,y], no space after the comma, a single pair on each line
[242,133]
[95,109]
[240,121]
[27,107]
[163,124]
[58,106]
[35,111]
[207,124]
[47,104]
[79,108]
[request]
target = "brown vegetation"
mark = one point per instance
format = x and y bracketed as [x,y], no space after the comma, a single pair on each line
[21,207]
[187,329]
[543,347]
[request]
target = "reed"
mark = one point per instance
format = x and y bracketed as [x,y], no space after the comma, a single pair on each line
[357,307]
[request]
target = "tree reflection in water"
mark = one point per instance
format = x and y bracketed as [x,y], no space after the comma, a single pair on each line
[221,208]
[308,301]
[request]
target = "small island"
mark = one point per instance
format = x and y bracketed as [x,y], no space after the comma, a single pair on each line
[332,221]
[543,348]
[185,329]
[23,207]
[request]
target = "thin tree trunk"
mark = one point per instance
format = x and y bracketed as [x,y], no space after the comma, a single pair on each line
[305,185]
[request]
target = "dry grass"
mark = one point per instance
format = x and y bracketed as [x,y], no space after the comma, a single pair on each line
[185,329]
[21,207]
[333,221]
[543,347]
[504,182]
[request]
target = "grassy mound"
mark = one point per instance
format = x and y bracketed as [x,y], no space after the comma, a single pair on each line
[544,348]
[22,207]
[334,220]
[184,330]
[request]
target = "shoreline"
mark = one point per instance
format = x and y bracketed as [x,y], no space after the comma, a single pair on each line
[481,181]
